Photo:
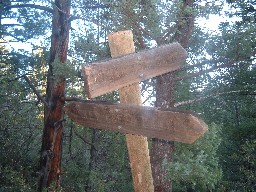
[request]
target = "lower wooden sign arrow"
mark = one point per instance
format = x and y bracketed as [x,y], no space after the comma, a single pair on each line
[174,125]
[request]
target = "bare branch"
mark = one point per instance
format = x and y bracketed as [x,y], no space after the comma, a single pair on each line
[149,97]
[43,8]
[35,91]
[83,139]
[134,21]
[191,75]
[98,6]
[141,42]
[167,34]
[17,38]
[241,92]
[188,67]
[50,10]
[12,25]
[182,103]
[71,99]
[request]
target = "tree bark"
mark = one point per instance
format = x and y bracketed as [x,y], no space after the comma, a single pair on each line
[165,98]
[50,164]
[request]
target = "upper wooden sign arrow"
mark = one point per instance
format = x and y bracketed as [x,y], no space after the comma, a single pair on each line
[106,76]
[174,125]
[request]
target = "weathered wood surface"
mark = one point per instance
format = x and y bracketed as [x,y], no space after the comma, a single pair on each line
[106,76]
[171,125]
[121,43]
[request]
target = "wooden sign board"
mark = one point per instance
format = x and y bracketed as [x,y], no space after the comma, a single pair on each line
[106,76]
[174,125]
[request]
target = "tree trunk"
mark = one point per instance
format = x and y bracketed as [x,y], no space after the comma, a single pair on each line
[165,98]
[51,150]
[162,150]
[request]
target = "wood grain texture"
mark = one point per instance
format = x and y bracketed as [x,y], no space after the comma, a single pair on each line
[121,43]
[173,125]
[106,76]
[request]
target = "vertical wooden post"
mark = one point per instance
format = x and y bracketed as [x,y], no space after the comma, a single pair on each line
[121,43]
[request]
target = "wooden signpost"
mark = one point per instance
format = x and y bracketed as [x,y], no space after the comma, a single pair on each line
[174,125]
[121,43]
[124,72]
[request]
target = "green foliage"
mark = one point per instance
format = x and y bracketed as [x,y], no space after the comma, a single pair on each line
[112,157]
[234,103]
[245,10]
[195,166]
[12,180]
[238,156]
[19,130]
[61,70]
[248,165]
[28,23]
[223,159]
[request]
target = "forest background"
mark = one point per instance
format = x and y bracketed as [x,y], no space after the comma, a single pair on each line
[218,82]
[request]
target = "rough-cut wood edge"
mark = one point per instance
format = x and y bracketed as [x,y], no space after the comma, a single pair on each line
[108,75]
[121,43]
[169,124]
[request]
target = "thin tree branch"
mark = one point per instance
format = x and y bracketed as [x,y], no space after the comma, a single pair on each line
[242,92]
[134,21]
[35,91]
[98,6]
[188,67]
[50,10]
[191,75]
[43,8]
[12,41]
[72,99]
[149,97]
[12,25]
[169,32]
[83,139]
[17,38]
[11,80]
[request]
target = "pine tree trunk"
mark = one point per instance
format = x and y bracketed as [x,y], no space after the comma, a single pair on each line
[51,150]
[162,150]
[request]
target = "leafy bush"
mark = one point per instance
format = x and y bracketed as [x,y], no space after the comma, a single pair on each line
[196,166]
